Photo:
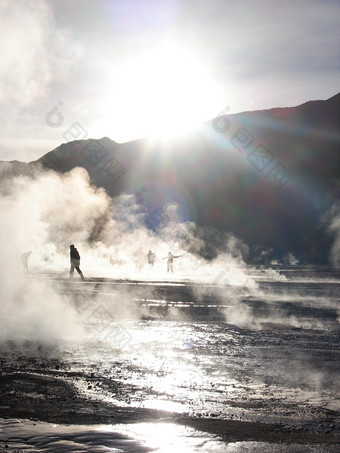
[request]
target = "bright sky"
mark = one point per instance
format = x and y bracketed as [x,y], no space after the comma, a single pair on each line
[132,68]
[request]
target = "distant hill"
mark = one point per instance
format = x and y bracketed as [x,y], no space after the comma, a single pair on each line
[14,168]
[266,176]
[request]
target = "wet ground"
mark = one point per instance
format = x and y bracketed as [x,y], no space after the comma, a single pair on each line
[219,367]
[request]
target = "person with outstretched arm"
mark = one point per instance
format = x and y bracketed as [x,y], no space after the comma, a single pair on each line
[170,262]
[75,262]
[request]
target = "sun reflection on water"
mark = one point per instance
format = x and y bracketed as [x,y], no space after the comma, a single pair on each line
[169,437]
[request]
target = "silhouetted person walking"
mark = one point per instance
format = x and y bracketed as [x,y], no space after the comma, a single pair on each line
[24,260]
[75,262]
[151,258]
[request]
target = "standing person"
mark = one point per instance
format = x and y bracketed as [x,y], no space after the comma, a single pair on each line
[170,262]
[75,262]
[151,258]
[24,261]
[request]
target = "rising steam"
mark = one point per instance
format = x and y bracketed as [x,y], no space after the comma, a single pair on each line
[334,228]
[44,214]
[48,212]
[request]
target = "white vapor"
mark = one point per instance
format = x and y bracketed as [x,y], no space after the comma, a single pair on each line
[33,52]
[334,228]
[49,211]
[42,214]
[46,213]
[36,60]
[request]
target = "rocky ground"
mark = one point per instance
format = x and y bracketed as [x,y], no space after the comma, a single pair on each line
[51,399]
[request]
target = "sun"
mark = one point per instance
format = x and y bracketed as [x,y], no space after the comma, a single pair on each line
[161,92]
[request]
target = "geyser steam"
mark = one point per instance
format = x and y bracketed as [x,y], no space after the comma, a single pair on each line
[48,212]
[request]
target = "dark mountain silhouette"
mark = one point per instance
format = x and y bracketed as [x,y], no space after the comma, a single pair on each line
[266,176]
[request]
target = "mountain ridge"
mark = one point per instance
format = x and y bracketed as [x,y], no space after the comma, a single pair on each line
[268,176]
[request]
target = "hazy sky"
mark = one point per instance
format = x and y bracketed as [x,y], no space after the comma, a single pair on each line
[131,68]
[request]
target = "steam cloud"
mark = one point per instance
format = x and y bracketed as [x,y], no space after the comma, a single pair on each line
[334,228]
[45,53]
[36,58]
[47,212]
[42,214]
